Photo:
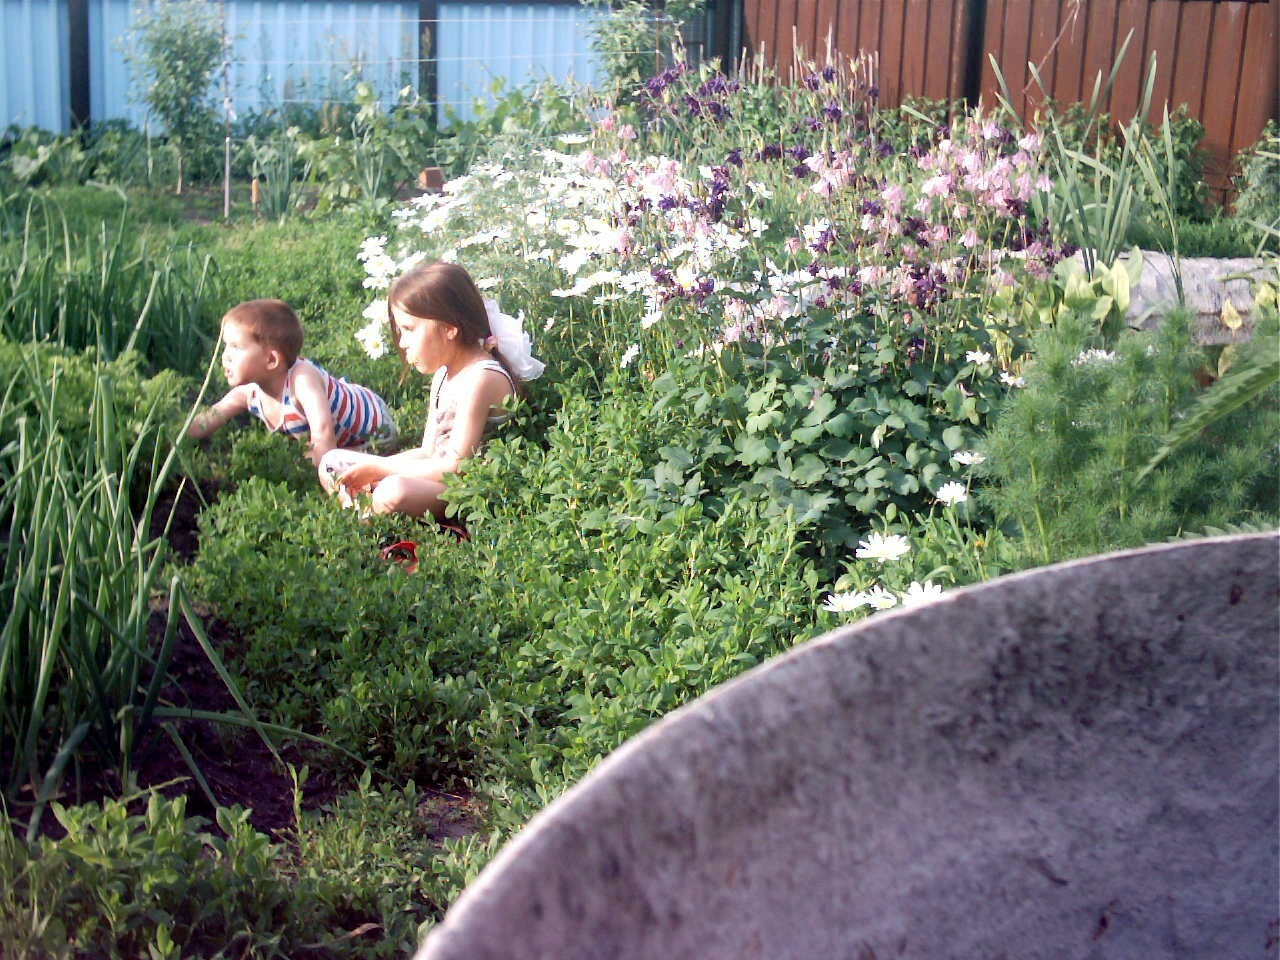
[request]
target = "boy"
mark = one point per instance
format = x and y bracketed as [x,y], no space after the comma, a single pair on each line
[262,340]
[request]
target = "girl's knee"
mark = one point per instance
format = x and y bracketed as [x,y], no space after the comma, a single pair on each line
[391,495]
[405,495]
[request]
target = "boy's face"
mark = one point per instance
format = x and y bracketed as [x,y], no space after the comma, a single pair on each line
[244,360]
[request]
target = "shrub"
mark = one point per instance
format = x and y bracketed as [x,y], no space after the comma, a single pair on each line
[1258,200]
[178,44]
[137,877]
[1065,453]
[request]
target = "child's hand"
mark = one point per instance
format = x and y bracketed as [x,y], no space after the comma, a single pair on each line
[362,477]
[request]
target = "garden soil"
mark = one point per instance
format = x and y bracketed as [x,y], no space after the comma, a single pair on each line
[238,766]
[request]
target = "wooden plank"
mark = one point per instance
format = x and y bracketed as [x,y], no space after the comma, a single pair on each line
[891,46]
[752,15]
[993,45]
[1163,22]
[940,47]
[1259,96]
[1073,16]
[825,38]
[1096,30]
[1015,50]
[958,40]
[1130,15]
[847,40]
[805,37]
[784,18]
[1222,88]
[1046,21]
[871,18]
[915,47]
[1190,68]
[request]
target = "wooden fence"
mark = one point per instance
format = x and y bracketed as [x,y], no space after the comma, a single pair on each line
[1219,57]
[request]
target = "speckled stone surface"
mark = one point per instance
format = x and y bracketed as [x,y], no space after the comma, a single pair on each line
[1208,284]
[1076,762]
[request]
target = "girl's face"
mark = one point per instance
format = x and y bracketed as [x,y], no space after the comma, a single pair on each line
[244,360]
[426,343]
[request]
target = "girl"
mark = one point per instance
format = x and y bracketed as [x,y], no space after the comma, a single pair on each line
[443,327]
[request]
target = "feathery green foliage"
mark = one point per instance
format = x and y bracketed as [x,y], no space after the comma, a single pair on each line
[1065,454]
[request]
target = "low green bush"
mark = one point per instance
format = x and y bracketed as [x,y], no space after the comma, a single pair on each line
[1064,455]
[1258,200]
[132,879]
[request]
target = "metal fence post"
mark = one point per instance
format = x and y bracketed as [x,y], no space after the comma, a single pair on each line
[78,57]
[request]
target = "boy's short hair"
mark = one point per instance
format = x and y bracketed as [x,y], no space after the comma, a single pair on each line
[271,323]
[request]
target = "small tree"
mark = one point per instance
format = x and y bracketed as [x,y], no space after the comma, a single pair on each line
[179,45]
[635,37]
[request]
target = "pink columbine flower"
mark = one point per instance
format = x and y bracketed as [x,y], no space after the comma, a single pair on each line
[938,186]
[893,197]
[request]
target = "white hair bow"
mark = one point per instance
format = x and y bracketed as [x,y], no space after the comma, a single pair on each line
[516,347]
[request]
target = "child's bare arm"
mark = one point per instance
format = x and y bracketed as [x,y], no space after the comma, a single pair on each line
[213,418]
[311,398]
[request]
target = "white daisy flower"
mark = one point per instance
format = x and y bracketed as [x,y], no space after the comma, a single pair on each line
[921,593]
[968,458]
[977,356]
[631,353]
[882,548]
[878,598]
[1093,357]
[371,338]
[951,493]
[844,602]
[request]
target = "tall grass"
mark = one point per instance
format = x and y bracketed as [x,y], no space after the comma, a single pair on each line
[106,289]
[89,623]
[1096,197]
[79,568]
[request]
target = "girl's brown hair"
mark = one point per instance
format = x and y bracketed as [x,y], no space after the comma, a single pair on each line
[446,292]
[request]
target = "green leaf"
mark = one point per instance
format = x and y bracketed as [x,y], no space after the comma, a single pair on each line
[809,469]
[843,424]
[1259,370]
[837,449]
[755,449]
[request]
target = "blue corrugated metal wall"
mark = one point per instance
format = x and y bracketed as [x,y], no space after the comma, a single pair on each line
[523,42]
[109,74]
[34,73]
[299,51]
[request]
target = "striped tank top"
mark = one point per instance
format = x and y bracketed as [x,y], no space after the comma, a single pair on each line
[360,416]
